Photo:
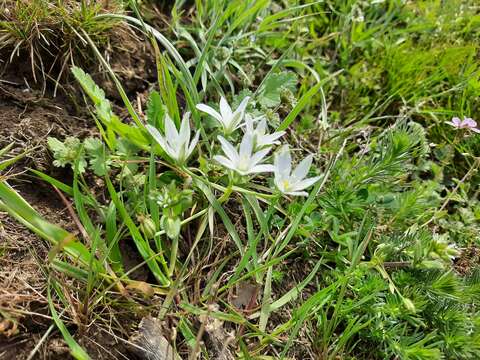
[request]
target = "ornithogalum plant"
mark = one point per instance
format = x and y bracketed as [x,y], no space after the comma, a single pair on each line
[244,161]
[228,119]
[292,182]
[259,132]
[176,144]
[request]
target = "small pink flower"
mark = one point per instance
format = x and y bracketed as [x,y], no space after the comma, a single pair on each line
[466,123]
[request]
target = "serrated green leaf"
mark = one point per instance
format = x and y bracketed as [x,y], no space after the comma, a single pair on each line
[99,165]
[89,86]
[96,94]
[55,145]
[99,157]
[67,152]
[92,145]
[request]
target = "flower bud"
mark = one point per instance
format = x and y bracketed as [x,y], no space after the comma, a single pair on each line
[171,226]
[287,98]
[147,226]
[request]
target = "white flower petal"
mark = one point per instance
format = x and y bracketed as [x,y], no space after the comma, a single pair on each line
[235,119]
[278,181]
[246,146]
[171,133]
[157,136]
[302,169]
[193,144]
[175,154]
[278,174]
[210,111]
[261,168]
[296,193]
[243,105]
[304,183]
[234,122]
[224,161]
[261,127]
[248,124]
[184,135]
[259,155]
[225,110]
[269,139]
[228,149]
[283,162]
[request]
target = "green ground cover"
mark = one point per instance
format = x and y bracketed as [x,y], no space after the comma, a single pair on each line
[300,182]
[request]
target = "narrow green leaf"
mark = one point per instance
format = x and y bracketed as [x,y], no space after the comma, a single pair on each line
[17,207]
[293,293]
[318,300]
[304,101]
[75,349]
[223,215]
[142,245]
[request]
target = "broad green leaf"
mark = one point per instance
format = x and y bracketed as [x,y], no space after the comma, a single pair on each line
[270,93]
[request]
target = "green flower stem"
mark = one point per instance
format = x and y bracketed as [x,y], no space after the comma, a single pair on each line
[223,188]
[226,194]
[173,257]
[186,221]
[228,190]
[161,258]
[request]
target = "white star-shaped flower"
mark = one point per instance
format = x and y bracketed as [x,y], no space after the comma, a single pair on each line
[260,137]
[245,161]
[288,182]
[228,119]
[176,144]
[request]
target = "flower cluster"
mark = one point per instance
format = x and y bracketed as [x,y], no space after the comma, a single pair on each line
[249,156]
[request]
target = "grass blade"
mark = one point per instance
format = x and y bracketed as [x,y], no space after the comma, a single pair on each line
[75,349]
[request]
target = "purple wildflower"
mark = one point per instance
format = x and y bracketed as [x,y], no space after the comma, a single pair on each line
[466,123]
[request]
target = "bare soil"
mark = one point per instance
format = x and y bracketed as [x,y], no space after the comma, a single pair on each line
[29,114]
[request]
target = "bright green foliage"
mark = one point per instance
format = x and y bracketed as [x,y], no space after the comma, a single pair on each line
[98,156]
[96,94]
[73,152]
[364,267]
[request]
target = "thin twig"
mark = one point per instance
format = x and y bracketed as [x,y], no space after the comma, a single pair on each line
[74,216]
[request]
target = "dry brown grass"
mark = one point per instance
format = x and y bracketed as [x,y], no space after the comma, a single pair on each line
[48,33]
